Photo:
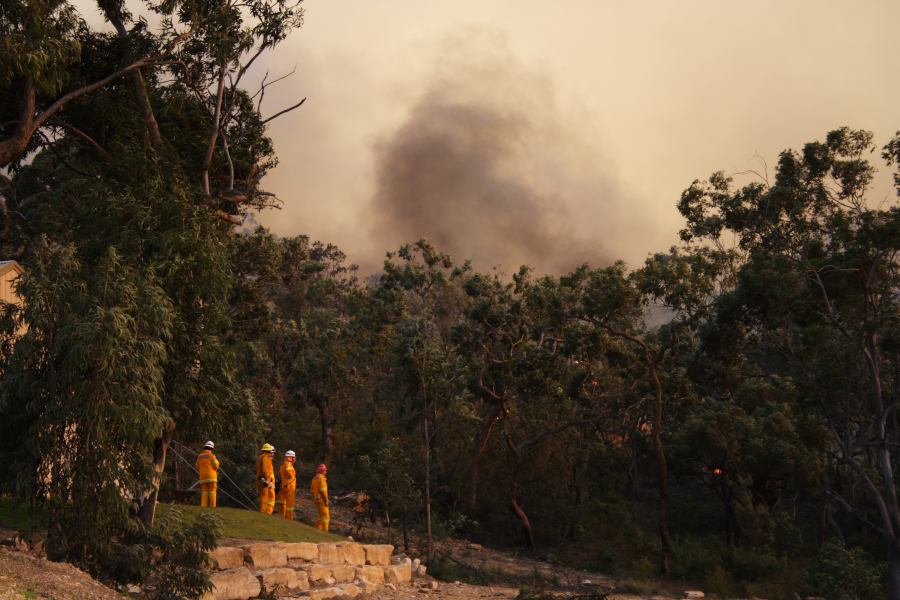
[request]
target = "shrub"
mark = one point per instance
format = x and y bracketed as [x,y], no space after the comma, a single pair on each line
[841,573]
[179,555]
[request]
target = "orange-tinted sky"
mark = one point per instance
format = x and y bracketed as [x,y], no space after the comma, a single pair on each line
[556,132]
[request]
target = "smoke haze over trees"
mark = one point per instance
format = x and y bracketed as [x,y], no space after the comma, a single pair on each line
[487,166]
[748,441]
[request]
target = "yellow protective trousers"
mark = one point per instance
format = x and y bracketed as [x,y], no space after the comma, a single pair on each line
[266,499]
[208,494]
[288,498]
[324,516]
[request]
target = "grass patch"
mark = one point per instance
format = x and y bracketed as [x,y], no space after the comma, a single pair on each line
[21,517]
[236,522]
[245,524]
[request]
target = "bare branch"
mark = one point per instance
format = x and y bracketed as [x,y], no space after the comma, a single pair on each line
[230,219]
[230,162]
[289,109]
[214,130]
[100,149]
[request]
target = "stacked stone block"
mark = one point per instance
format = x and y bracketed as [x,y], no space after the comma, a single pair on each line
[304,571]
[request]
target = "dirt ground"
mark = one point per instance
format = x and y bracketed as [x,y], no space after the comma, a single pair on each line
[468,572]
[446,592]
[23,575]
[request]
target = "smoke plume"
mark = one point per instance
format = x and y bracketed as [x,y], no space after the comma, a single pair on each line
[488,167]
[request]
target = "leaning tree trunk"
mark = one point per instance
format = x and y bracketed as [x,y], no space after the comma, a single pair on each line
[520,512]
[147,511]
[481,443]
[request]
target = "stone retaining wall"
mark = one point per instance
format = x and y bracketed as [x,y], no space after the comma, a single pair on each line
[305,570]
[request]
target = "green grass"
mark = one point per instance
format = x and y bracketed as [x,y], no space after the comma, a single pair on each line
[240,523]
[237,523]
[21,516]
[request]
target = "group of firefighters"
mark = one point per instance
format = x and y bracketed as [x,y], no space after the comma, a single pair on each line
[208,471]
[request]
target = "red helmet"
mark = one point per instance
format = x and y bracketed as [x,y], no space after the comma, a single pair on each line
[321,468]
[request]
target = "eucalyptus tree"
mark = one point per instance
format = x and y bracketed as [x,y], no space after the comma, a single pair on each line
[820,282]
[418,288]
[123,222]
[681,283]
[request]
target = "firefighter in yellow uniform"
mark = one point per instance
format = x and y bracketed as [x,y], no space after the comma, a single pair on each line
[318,489]
[265,479]
[288,484]
[208,470]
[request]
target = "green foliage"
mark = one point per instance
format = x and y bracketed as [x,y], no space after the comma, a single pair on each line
[38,40]
[179,555]
[388,480]
[841,573]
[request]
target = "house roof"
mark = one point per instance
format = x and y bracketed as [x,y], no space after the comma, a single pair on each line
[10,265]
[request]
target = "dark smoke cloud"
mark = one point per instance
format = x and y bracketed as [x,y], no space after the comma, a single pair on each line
[487,166]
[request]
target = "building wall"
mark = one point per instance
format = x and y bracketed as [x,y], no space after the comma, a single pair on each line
[7,291]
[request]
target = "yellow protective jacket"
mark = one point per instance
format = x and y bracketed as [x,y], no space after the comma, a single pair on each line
[265,469]
[288,475]
[318,489]
[207,467]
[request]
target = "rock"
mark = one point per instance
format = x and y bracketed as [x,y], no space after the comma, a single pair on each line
[236,584]
[306,551]
[421,570]
[9,537]
[317,572]
[328,554]
[378,554]
[370,574]
[227,557]
[341,591]
[279,578]
[329,581]
[396,574]
[391,586]
[415,564]
[424,590]
[302,580]
[323,594]
[477,547]
[457,583]
[343,573]
[351,553]
[694,595]
[588,582]
[349,590]
[399,558]
[266,555]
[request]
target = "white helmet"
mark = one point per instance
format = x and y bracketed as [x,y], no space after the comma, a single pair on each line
[290,454]
[209,445]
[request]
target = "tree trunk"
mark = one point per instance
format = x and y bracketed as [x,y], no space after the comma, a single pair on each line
[13,147]
[137,80]
[729,516]
[405,532]
[663,473]
[147,511]
[893,571]
[327,424]
[480,446]
[520,512]
[428,539]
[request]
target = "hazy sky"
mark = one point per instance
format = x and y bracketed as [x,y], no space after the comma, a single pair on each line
[556,132]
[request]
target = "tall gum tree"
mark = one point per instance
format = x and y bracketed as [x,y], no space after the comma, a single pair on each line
[821,263]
